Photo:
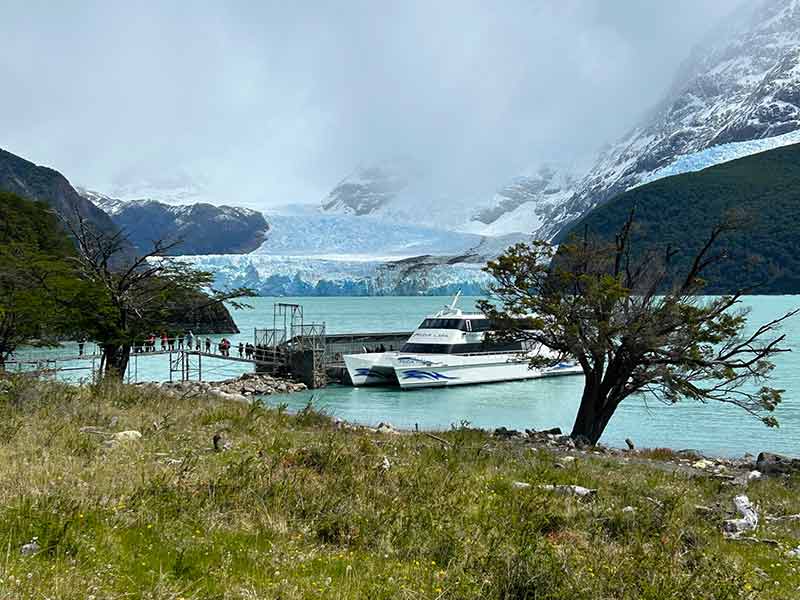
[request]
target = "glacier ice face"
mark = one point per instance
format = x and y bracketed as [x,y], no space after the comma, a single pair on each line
[343,254]
[275,275]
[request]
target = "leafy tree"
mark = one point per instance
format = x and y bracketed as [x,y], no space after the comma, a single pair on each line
[635,323]
[34,254]
[116,306]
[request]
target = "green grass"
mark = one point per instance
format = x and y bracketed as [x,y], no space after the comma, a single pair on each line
[297,508]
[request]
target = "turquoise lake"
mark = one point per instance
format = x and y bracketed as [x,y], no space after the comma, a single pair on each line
[538,404]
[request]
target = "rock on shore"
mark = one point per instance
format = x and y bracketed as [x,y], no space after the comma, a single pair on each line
[240,388]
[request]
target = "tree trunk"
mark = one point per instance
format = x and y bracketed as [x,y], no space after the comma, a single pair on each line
[116,359]
[594,413]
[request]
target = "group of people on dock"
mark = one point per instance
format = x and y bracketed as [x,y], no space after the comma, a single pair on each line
[190,341]
[180,341]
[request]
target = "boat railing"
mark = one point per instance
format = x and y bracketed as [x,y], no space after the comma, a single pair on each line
[487,353]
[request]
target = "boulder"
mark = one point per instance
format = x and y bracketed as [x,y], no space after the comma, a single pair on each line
[734,528]
[552,431]
[703,463]
[126,436]
[505,434]
[769,464]
[30,548]
[569,490]
[386,428]
[746,478]
[582,442]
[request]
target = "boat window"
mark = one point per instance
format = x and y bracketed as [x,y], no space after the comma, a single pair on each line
[441,324]
[481,325]
[461,348]
[426,348]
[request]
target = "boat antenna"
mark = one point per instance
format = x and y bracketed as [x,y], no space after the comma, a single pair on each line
[455,300]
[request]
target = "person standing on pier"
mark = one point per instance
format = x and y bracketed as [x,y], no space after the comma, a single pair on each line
[241,349]
[81,343]
[180,341]
[163,341]
[208,345]
[197,343]
[171,343]
[190,340]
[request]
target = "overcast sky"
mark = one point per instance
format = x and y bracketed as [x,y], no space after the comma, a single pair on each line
[270,103]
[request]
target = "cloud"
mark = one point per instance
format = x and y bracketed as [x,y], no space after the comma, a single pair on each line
[273,102]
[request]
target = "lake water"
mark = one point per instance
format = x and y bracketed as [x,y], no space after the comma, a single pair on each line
[713,428]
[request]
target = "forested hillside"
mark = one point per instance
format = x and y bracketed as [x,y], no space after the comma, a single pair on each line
[33,224]
[30,232]
[31,181]
[761,192]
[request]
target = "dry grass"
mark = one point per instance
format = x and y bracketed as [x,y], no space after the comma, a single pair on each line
[296,508]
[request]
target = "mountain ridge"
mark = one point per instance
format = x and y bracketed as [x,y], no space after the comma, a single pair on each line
[203,228]
[34,182]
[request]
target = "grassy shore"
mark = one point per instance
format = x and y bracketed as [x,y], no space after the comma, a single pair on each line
[294,507]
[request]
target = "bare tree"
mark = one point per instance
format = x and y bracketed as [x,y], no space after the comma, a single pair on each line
[635,325]
[117,303]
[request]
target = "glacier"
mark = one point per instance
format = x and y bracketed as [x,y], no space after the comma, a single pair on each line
[723,153]
[277,275]
[308,253]
[317,234]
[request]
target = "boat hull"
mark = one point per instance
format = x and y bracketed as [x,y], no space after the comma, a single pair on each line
[370,369]
[425,371]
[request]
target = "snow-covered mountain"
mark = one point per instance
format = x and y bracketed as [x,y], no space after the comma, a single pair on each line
[203,228]
[368,189]
[397,190]
[742,84]
[525,203]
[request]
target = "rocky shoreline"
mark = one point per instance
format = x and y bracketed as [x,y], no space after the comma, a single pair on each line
[735,471]
[243,388]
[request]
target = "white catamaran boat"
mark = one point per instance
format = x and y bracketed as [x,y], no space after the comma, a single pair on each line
[448,348]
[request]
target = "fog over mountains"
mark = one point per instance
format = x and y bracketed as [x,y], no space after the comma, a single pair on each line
[399,160]
[741,84]
[260,104]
